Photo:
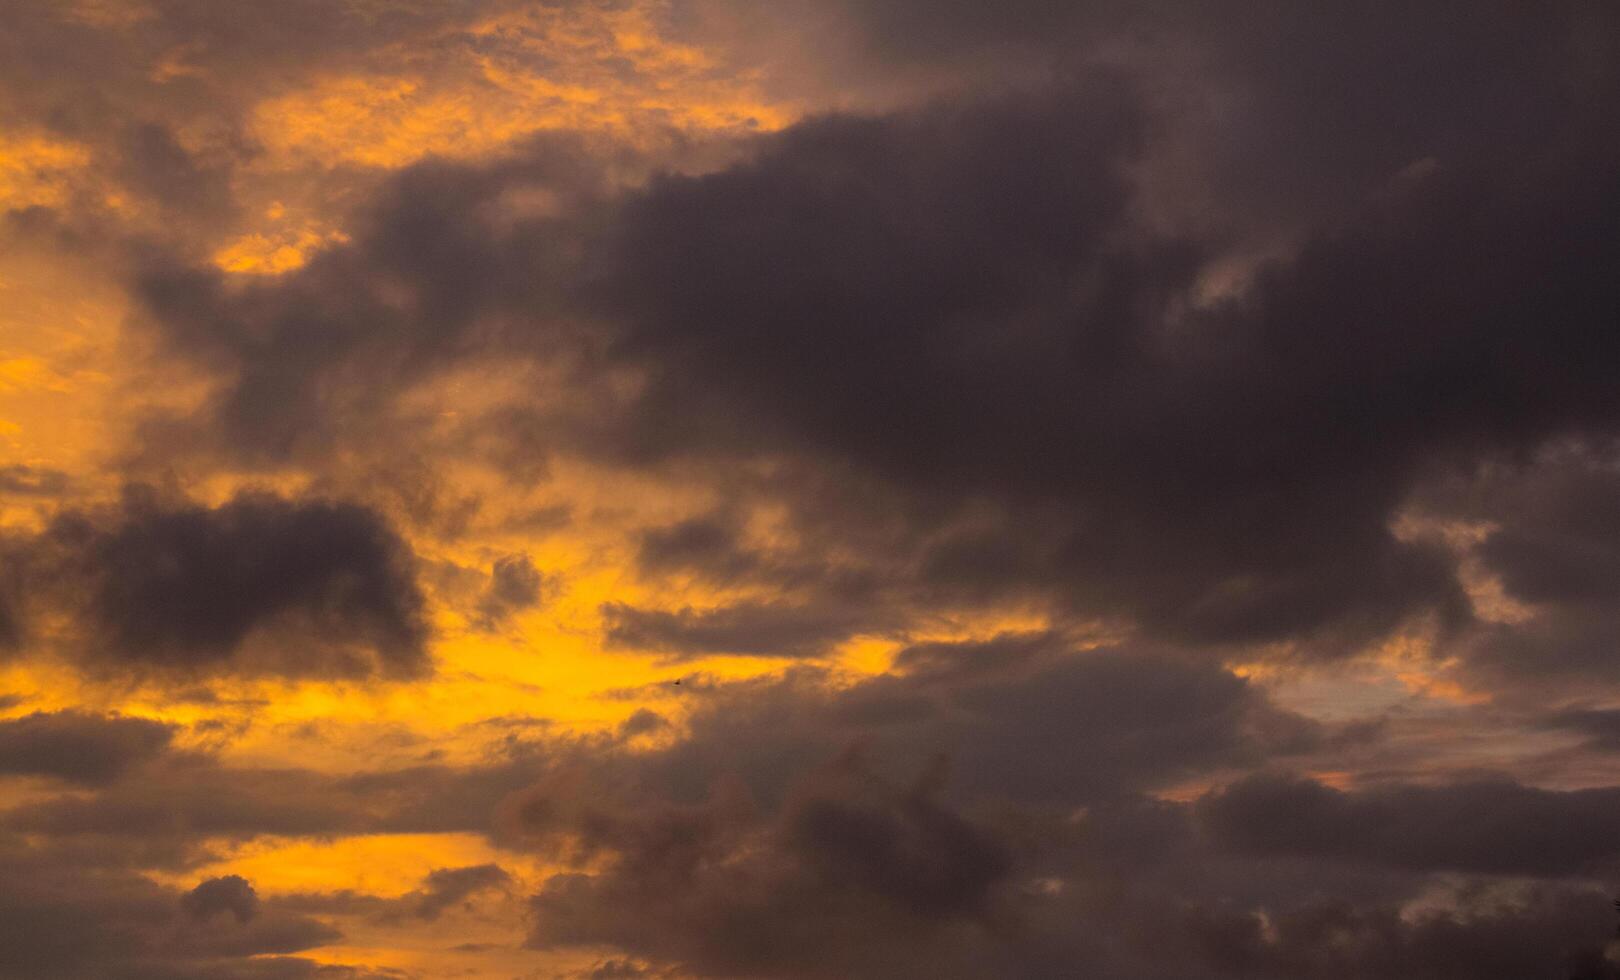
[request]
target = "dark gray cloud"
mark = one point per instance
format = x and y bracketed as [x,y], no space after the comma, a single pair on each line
[260,584]
[850,862]
[30,481]
[154,164]
[179,806]
[738,849]
[1565,550]
[952,793]
[1277,118]
[617,968]
[1549,537]
[709,545]
[748,629]
[1108,723]
[1552,932]
[693,853]
[440,891]
[440,273]
[1221,474]
[446,887]
[921,29]
[10,628]
[1018,718]
[828,594]
[850,873]
[59,917]
[514,585]
[163,94]
[969,305]
[77,747]
[1486,827]
[641,722]
[1601,726]
[231,893]
[1233,479]
[191,801]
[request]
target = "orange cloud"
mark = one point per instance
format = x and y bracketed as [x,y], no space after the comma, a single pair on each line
[37,170]
[512,76]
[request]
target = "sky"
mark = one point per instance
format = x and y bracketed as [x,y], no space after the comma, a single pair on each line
[608,489]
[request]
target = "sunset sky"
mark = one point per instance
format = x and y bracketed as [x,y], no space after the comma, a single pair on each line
[895,489]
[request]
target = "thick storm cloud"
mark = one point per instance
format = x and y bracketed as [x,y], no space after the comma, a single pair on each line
[967,301]
[1228,477]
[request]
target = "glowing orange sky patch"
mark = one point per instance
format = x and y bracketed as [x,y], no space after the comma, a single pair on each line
[59,364]
[378,864]
[394,866]
[1410,659]
[261,254]
[108,13]
[36,170]
[579,70]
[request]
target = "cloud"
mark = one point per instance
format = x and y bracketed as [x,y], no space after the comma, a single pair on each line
[1601,726]
[1226,489]
[159,98]
[231,893]
[257,585]
[853,874]
[1108,724]
[28,481]
[725,890]
[65,920]
[438,272]
[514,585]
[616,968]
[446,887]
[1544,538]
[1019,718]
[1027,850]
[440,891]
[78,747]
[1484,827]
[1255,363]
[746,629]
[967,307]
[641,722]
[709,544]
[190,803]
[184,803]
[1336,939]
